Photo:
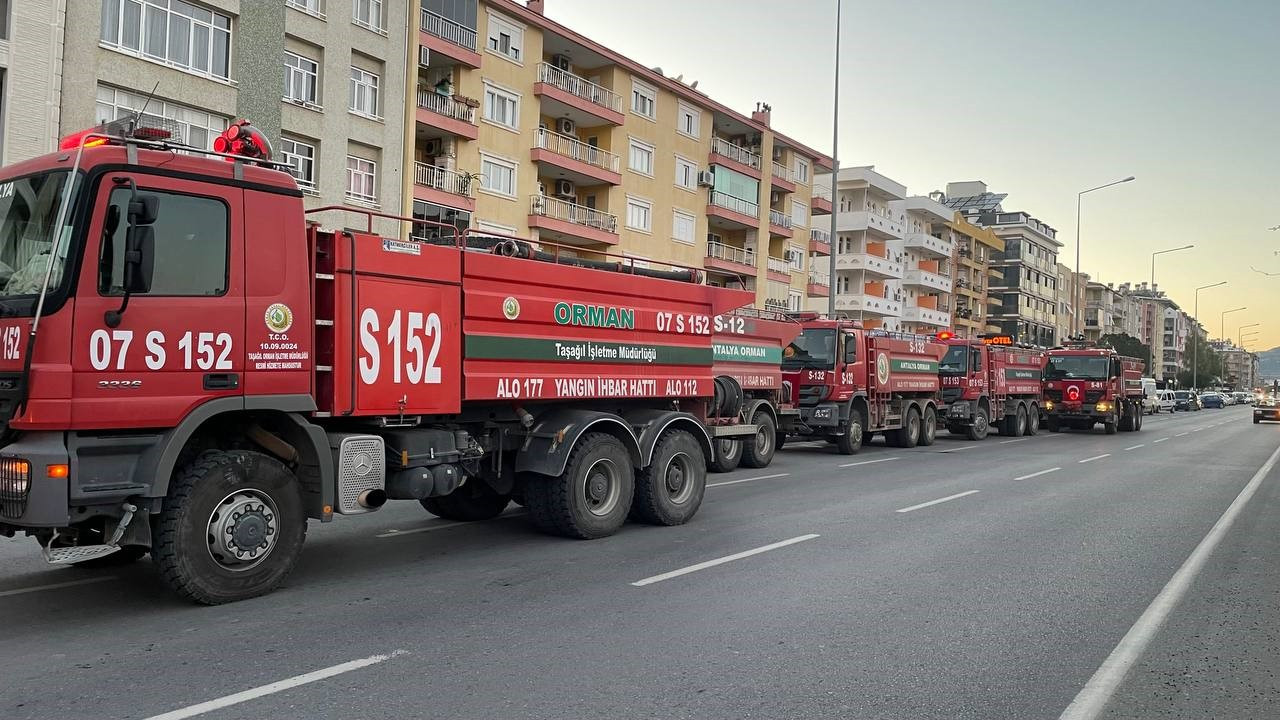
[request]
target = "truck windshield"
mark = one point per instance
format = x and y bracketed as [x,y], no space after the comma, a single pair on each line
[815,349]
[28,211]
[1077,367]
[955,360]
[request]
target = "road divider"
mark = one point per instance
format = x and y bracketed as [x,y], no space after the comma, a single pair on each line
[931,503]
[723,560]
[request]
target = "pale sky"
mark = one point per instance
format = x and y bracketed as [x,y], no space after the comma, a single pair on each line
[1039,99]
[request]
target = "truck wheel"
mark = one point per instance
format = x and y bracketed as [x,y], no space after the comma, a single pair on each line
[1020,422]
[1112,423]
[908,436]
[981,425]
[1137,418]
[475,500]
[727,456]
[851,441]
[759,453]
[1033,420]
[1126,418]
[670,490]
[231,527]
[929,426]
[592,497]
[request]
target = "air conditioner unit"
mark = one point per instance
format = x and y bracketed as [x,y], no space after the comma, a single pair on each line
[792,255]
[565,126]
[561,61]
[433,147]
[565,189]
[706,178]
[424,56]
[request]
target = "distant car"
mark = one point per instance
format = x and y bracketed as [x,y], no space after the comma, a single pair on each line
[1150,401]
[1166,401]
[1227,398]
[1212,400]
[1267,408]
[1242,398]
[1185,400]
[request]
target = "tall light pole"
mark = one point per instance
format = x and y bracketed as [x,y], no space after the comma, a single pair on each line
[1240,332]
[835,176]
[1222,331]
[1153,261]
[1075,279]
[1195,344]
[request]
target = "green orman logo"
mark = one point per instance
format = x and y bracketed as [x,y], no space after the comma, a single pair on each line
[511,308]
[882,369]
[279,318]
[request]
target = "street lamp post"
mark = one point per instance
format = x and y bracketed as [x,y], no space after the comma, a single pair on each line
[1195,345]
[835,176]
[1153,261]
[1222,330]
[1240,332]
[1075,279]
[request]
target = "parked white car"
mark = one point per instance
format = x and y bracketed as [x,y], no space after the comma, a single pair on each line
[1166,401]
[1150,401]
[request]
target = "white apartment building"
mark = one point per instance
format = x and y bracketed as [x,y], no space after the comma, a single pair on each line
[30,77]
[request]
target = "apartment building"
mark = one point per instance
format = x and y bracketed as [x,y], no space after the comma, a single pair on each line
[522,126]
[927,245]
[1029,262]
[971,274]
[1110,310]
[1072,289]
[31,36]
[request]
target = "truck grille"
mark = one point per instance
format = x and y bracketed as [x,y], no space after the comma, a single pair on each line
[811,395]
[950,395]
[15,485]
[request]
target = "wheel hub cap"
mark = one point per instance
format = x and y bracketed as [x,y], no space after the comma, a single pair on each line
[242,530]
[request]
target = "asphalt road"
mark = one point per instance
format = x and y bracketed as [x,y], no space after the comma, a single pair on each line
[866,598]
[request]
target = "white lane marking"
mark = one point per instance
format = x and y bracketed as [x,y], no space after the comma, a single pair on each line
[1038,474]
[1197,429]
[1135,447]
[722,560]
[959,449]
[1180,435]
[275,687]
[1093,697]
[935,502]
[751,479]
[1051,436]
[55,586]
[445,526]
[868,462]
[1160,440]
[1095,457]
[1006,442]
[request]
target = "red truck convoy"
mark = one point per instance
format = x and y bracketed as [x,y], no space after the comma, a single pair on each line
[190,368]
[747,346]
[987,385]
[851,383]
[1084,386]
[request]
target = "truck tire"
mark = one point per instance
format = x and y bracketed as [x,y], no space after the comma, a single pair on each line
[981,425]
[908,436]
[1020,422]
[758,452]
[475,500]
[1052,424]
[1126,418]
[929,426]
[670,490]
[727,456]
[850,442]
[1112,423]
[1137,418]
[1033,420]
[592,497]
[231,527]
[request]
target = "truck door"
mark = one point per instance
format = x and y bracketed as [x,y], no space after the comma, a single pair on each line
[177,343]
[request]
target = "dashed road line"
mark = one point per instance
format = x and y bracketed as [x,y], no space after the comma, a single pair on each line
[747,480]
[869,462]
[935,502]
[1181,435]
[722,560]
[1160,440]
[959,449]
[1006,442]
[1038,474]
[1135,447]
[56,586]
[1095,457]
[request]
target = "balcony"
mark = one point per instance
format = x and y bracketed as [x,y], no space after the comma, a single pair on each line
[729,259]
[819,285]
[819,241]
[881,224]
[725,210]
[445,113]
[572,223]
[779,269]
[821,199]
[869,305]
[577,98]
[928,244]
[778,296]
[780,177]
[779,224]
[735,157]
[582,163]
[443,186]
[927,316]
[872,265]
[449,38]
[925,279]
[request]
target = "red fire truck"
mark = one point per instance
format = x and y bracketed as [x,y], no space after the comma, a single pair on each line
[1085,385]
[850,383]
[989,382]
[190,368]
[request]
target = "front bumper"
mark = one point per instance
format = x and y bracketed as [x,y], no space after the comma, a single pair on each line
[826,415]
[35,500]
[1270,413]
[1076,411]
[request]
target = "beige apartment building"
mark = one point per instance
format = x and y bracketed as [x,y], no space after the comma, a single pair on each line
[972,275]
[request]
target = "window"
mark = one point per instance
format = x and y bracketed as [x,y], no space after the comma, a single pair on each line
[506,38]
[796,256]
[300,78]
[173,32]
[192,258]
[362,180]
[497,176]
[794,299]
[195,127]
[683,227]
[311,7]
[690,120]
[501,107]
[364,93]
[301,158]
[639,214]
[644,100]
[367,14]
[799,214]
[462,12]
[492,227]
[801,170]
[641,157]
[686,174]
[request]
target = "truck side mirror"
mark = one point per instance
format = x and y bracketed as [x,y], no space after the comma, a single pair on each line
[139,251]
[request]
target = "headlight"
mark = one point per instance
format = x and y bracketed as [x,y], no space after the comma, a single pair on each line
[1103,406]
[1048,404]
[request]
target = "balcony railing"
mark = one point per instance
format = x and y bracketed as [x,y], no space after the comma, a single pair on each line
[729,253]
[729,202]
[816,279]
[779,219]
[779,265]
[445,105]
[572,147]
[446,29]
[822,190]
[821,236]
[558,209]
[440,178]
[737,153]
[579,87]
[780,171]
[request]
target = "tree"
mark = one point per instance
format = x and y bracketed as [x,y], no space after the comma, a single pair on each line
[1126,344]
[1208,363]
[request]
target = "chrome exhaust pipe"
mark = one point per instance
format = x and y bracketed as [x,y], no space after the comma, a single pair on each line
[372,499]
